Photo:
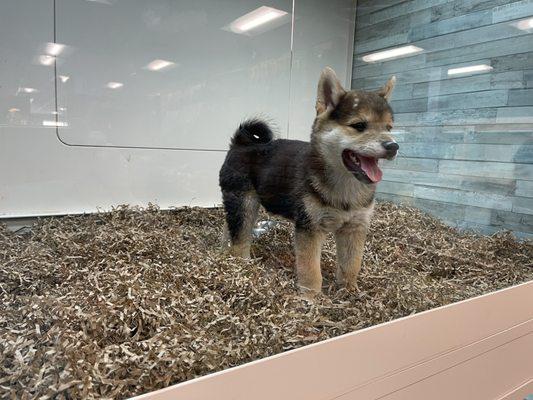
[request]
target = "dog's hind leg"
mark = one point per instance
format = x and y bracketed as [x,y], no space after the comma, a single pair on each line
[308,246]
[241,214]
[350,247]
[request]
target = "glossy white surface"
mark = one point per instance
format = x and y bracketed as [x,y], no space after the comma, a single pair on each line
[26,86]
[214,82]
[215,79]
[41,176]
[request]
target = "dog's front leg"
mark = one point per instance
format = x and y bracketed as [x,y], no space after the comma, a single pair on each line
[308,246]
[350,246]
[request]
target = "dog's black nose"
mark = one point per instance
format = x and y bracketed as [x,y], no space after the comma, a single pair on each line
[391,147]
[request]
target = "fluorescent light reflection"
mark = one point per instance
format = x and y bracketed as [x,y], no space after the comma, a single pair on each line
[470,69]
[46,59]
[55,123]
[27,90]
[525,24]
[392,53]
[256,18]
[64,78]
[114,85]
[158,65]
[54,49]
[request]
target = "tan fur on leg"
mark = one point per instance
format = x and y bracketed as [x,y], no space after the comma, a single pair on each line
[308,245]
[350,247]
[240,247]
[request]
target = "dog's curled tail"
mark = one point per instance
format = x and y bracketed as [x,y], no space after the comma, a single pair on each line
[252,131]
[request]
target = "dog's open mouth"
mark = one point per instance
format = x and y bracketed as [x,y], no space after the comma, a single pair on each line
[365,169]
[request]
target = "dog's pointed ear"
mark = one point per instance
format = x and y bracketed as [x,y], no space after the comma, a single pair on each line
[330,91]
[386,91]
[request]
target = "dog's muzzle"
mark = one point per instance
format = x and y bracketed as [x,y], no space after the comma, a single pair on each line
[391,149]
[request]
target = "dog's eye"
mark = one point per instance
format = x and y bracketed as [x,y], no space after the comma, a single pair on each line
[360,126]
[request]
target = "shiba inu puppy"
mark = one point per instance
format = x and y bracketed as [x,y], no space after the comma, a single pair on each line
[325,185]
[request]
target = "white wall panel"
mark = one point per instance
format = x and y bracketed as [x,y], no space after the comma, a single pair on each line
[119,146]
[218,76]
[26,86]
[42,176]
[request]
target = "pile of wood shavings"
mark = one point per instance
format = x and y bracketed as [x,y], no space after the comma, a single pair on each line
[117,304]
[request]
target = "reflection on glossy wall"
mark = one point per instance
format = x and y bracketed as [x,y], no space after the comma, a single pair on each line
[105,102]
[463,106]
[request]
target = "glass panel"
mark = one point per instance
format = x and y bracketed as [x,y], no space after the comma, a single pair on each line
[26,74]
[463,106]
[170,74]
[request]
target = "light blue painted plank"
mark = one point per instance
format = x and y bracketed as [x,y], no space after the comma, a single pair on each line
[487,168]
[450,25]
[381,43]
[450,181]
[471,83]
[394,198]
[499,219]
[365,7]
[515,115]
[489,98]
[430,134]
[399,9]
[445,211]
[403,189]
[502,77]
[521,97]
[513,62]
[389,67]
[524,188]
[524,154]
[482,134]
[493,152]
[427,150]
[515,10]
[524,171]
[460,7]
[496,48]
[411,164]
[507,80]
[409,105]
[500,137]
[453,117]
[523,205]
[528,78]
[494,201]
[487,34]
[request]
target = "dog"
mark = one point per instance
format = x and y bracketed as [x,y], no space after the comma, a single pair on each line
[325,185]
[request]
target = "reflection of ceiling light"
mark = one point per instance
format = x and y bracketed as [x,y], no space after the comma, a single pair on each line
[255,18]
[54,123]
[158,65]
[108,2]
[46,60]
[54,49]
[27,90]
[64,78]
[12,110]
[525,24]
[470,69]
[392,53]
[114,85]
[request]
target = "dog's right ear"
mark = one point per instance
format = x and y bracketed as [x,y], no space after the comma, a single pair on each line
[330,91]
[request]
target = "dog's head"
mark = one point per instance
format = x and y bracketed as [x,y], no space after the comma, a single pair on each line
[352,128]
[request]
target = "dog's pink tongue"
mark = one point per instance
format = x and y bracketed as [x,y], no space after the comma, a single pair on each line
[370,166]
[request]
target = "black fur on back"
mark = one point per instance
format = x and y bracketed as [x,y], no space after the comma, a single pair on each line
[252,131]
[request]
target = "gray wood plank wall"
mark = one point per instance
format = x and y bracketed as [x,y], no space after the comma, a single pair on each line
[466,142]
